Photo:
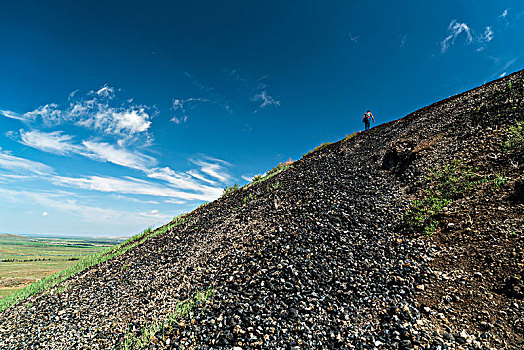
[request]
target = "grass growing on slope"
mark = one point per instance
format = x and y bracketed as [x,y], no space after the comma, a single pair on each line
[318,148]
[516,140]
[91,260]
[149,332]
[446,185]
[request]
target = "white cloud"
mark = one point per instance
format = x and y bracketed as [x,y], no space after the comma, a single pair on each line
[353,38]
[184,181]
[156,214]
[97,110]
[22,165]
[12,115]
[504,14]
[49,113]
[106,91]
[267,100]
[45,213]
[455,29]
[502,75]
[403,40]
[106,152]
[65,203]
[182,106]
[134,200]
[248,178]
[179,120]
[129,185]
[122,122]
[509,63]
[213,167]
[58,143]
[487,36]
[54,142]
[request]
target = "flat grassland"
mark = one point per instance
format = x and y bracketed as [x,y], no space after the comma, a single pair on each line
[24,260]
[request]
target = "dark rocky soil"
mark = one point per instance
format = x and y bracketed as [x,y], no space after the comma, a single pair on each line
[319,256]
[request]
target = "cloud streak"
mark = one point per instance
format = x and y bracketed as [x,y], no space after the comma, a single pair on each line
[182,106]
[105,152]
[54,142]
[266,99]
[22,165]
[62,203]
[130,185]
[454,30]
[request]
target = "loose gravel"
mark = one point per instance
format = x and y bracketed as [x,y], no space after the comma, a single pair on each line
[319,256]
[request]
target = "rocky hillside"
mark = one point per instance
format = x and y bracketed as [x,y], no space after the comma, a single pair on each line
[409,235]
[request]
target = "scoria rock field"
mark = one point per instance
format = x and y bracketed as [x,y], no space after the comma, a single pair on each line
[323,255]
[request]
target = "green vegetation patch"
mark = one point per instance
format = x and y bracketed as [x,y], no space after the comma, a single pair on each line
[150,332]
[91,260]
[516,139]
[230,189]
[258,179]
[272,172]
[447,184]
[349,137]
[318,148]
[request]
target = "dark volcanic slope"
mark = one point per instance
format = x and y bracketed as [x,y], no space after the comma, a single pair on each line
[318,256]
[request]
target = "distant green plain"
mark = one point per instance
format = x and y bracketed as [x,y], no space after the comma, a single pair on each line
[24,260]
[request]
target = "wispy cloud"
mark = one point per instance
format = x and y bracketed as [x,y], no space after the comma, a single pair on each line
[58,143]
[134,200]
[105,91]
[353,38]
[403,40]
[213,167]
[454,30]
[248,178]
[12,115]
[154,213]
[180,180]
[67,204]
[105,152]
[98,110]
[505,13]
[130,185]
[179,120]
[53,142]
[182,106]
[22,165]
[266,99]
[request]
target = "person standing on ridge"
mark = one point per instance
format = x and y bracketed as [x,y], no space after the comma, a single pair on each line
[366,118]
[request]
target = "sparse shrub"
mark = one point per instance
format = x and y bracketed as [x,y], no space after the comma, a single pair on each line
[516,140]
[318,148]
[230,189]
[272,172]
[447,184]
[280,167]
[144,338]
[350,136]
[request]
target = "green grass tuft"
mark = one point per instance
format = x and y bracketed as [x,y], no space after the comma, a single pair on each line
[152,330]
[516,140]
[447,184]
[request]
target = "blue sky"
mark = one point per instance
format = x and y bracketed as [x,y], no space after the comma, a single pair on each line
[117,115]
